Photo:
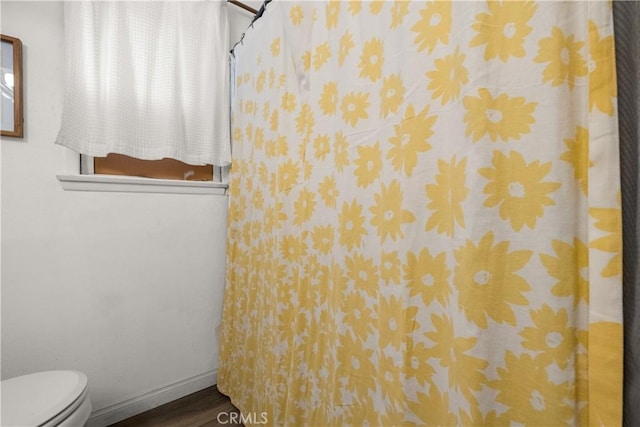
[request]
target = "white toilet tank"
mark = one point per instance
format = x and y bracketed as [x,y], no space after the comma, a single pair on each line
[46,399]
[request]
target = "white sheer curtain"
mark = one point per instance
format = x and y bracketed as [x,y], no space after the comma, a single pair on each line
[148,80]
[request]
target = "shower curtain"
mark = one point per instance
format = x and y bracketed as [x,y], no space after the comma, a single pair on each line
[425,216]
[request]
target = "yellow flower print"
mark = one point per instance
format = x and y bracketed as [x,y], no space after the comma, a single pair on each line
[262,171]
[502,117]
[271,149]
[578,156]
[606,341]
[275,47]
[249,107]
[395,320]
[351,225]
[273,121]
[434,25]
[258,200]
[322,237]
[580,387]
[354,107]
[293,248]
[321,147]
[563,55]
[328,191]
[346,44]
[288,174]
[531,402]
[287,314]
[391,95]
[428,276]
[266,110]
[354,6]
[433,409]
[390,267]
[447,196]
[464,371]
[273,183]
[237,135]
[602,74]
[363,272]
[288,102]
[321,55]
[375,6]
[307,169]
[329,98]
[609,220]
[321,291]
[448,77]
[390,382]
[358,315]
[475,418]
[551,338]
[570,267]
[388,215]
[281,145]
[236,211]
[354,364]
[260,81]
[303,207]
[333,13]
[517,188]
[305,121]
[275,217]
[258,139]
[247,237]
[360,408]
[272,77]
[306,60]
[296,15]
[399,10]
[415,361]
[410,139]
[486,279]
[369,164]
[248,183]
[341,153]
[371,59]
[339,280]
[503,29]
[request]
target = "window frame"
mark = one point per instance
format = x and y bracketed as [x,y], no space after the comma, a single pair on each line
[87,180]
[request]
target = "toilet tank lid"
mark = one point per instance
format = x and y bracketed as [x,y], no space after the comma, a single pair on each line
[33,399]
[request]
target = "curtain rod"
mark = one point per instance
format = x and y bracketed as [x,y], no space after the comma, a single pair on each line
[243,6]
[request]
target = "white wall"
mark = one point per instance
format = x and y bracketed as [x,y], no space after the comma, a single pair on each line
[125,287]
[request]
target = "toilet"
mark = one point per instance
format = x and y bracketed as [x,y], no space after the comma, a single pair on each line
[45,399]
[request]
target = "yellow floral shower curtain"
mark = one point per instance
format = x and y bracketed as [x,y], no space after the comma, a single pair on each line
[424,219]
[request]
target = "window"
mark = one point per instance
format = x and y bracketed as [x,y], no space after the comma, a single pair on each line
[118,164]
[157,87]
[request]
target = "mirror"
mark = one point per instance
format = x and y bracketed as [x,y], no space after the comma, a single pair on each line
[11,80]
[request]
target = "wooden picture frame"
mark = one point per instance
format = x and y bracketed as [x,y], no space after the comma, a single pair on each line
[12,123]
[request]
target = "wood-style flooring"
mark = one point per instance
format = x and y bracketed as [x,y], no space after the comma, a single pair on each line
[206,408]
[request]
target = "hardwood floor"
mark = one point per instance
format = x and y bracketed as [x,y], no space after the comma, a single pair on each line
[206,408]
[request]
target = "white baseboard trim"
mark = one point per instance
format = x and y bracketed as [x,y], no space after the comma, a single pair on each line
[137,405]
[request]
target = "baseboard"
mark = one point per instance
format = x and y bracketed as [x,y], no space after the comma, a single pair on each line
[137,405]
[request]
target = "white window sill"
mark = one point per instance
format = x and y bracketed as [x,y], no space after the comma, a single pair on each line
[133,184]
